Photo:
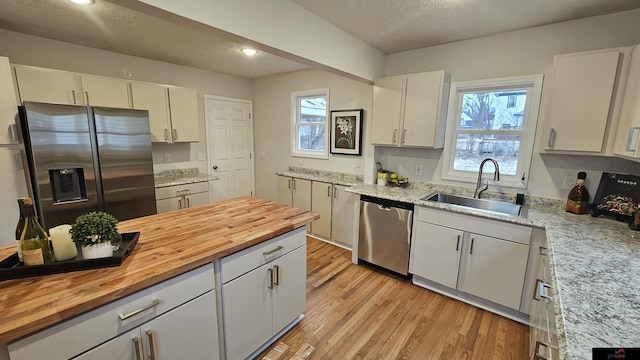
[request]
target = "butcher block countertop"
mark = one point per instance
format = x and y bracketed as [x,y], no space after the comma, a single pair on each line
[170,244]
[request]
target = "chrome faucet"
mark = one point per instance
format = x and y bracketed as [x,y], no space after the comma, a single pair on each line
[496,177]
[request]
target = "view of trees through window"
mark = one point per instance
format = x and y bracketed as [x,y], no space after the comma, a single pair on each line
[312,123]
[490,126]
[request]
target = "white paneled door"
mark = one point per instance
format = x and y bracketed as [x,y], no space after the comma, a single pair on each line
[230,146]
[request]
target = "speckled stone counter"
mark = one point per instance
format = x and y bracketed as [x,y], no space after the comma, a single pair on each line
[595,263]
[181,177]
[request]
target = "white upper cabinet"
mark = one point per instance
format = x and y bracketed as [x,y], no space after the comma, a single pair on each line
[47,85]
[583,105]
[8,105]
[104,91]
[410,110]
[627,142]
[173,111]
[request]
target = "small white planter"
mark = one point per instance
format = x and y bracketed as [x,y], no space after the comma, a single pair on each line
[100,250]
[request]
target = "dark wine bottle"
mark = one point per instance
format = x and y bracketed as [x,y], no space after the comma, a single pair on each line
[578,199]
[34,241]
[20,227]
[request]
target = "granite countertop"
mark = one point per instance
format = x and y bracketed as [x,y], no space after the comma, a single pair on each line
[180,177]
[595,266]
[167,247]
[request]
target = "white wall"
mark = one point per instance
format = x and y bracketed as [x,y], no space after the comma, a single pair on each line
[36,51]
[272,123]
[522,52]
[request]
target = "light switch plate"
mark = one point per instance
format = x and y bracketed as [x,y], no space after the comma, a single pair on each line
[167,157]
[202,156]
[568,182]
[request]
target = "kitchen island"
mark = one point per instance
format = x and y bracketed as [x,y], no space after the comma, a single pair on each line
[170,244]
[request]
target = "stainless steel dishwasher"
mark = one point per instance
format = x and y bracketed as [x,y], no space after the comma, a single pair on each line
[385,233]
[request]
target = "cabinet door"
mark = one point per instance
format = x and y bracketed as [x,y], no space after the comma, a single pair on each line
[343,216]
[628,132]
[187,332]
[45,85]
[435,253]
[580,101]
[301,194]
[493,269]
[247,312]
[8,104]
[153,97]
[387,110]
[170,204]
[422,120]
[102,91]
[197,199]
[183,105]
[290,289]
[285,190]
[321,198]
[122,347]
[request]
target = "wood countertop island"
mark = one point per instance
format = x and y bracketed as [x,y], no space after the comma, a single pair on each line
[170,244]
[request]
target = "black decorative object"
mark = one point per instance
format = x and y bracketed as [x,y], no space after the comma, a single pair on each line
[618,195]
[346,132]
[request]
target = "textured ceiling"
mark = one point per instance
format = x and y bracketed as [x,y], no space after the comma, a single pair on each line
[388,25]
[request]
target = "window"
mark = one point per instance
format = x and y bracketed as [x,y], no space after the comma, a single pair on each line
[495,119]
[309,131]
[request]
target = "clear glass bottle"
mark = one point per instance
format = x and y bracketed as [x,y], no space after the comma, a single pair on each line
[34,241]
[578,199]
[20,227]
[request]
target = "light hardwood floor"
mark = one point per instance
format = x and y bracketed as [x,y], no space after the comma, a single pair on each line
[354,312]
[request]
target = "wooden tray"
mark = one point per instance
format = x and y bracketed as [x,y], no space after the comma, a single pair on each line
[12,268]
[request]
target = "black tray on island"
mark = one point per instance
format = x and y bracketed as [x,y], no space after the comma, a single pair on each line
[12,268]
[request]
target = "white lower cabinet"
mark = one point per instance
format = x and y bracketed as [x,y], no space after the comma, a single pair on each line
[263,292]
[470,255]
[181,196]
[187,332]
[178,315]
[336,208]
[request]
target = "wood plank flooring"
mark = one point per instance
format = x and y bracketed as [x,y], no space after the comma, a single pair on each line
[354,312]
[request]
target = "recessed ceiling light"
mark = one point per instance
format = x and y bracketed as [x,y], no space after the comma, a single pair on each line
[249,51]
[82,2]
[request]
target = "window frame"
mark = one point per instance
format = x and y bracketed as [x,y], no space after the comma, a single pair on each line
[296,124]
[533,83]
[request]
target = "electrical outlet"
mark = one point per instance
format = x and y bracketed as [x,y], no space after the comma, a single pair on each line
[568,182]
[418,169]
[167,157]
[357,163]
[202,156]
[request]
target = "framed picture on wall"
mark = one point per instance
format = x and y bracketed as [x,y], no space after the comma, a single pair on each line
[346,132]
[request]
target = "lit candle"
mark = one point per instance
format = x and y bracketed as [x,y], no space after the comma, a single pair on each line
[63,247]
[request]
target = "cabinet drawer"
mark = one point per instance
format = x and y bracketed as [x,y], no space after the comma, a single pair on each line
[179,190]
[83,332]
[246,260]
[488,227]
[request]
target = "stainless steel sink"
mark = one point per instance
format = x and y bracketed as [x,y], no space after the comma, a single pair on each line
[493,206]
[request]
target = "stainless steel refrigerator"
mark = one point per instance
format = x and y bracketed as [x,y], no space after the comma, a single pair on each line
[83,158]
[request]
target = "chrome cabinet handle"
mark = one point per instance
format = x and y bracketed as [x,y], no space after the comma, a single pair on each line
[541,287]
[267,253]
[536,351]
[395,136]
[543,251]
[153,304]
[86,97]
[632,131]
[183,192]
[138,348]
[175,135]
[270,279]
[294,183]
[13,132]
[152,346]
[471,248]
[335,193]
[289,184]
[458,243]
[188,202]
[276,268]
[179,204]
[552,138]
[73,94]
[329,191]
[166,135]
[404,136]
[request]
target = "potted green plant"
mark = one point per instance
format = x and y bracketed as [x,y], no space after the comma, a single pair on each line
[93,232]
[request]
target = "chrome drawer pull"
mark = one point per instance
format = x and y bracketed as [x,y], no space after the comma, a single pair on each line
[152,345]
[543,251]
[541,288]
[138,348]
[276,268]
[270,279]
[536,351]
[267,253]
[136,312]
[395,133]
[552,138]
[458,243]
